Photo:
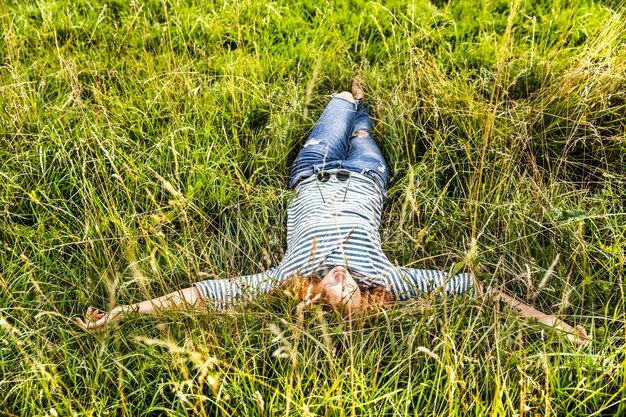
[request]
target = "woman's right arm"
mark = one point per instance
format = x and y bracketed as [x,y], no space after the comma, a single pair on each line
[413,282]
[576,335]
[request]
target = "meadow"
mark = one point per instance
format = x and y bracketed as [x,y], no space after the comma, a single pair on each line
[146,144]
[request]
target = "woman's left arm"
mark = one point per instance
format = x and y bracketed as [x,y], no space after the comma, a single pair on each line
[210,293]
[96,319]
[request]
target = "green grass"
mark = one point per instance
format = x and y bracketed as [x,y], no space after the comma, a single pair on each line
[146,145]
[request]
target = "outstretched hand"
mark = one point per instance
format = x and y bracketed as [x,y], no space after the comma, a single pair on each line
[578,336]
[97,320]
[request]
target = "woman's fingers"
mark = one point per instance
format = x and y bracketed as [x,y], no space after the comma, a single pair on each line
[83,325]
[94,319]
[93,314]
[578,336]
[581,336]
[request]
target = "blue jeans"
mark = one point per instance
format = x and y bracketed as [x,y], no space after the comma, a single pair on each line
[343,137]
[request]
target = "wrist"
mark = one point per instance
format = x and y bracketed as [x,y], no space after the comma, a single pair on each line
[118,312]
[560,324]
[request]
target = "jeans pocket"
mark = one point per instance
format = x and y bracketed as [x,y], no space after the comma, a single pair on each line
[379,179]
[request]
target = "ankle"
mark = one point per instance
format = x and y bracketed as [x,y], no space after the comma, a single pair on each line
[357,89]
[346,96]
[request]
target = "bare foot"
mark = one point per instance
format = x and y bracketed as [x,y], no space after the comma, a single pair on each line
[357,88]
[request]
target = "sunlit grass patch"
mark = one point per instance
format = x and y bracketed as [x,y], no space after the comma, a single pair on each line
[146,145]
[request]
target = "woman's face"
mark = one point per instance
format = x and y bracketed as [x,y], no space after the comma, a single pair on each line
[341,290]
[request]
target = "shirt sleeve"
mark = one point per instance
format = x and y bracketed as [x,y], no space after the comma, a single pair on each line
[409,283]
[222,293]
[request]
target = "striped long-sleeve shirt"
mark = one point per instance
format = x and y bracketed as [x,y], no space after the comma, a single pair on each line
[330,224]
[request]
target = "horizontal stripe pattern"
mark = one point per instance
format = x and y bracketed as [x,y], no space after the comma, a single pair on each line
[332,224]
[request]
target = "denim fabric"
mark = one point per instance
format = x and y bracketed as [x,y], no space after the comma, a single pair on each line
[333,144]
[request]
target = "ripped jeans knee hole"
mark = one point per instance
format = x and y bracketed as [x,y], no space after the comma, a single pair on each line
[311,142]
[361,134]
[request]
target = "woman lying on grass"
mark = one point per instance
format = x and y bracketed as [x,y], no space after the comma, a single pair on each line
[340,177]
